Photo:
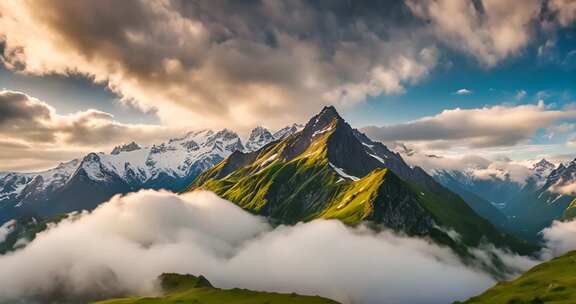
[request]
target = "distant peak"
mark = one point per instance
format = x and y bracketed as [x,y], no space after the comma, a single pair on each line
[543,163]
[259,130]
[133,146]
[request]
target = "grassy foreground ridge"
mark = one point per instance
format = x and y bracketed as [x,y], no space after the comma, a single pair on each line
[550,282]
[180,288]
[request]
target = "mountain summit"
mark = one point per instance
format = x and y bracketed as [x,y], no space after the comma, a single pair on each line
[329,170]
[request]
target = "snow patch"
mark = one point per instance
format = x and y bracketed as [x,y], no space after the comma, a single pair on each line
[341,172]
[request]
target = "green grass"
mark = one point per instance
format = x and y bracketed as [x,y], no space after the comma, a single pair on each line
[190,289]
[355,201]
[551,282]
[570,212]
[219,296]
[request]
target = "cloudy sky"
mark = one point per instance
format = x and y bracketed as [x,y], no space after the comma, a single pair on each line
[449,77]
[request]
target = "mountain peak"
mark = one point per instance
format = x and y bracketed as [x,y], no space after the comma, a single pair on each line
[329,112]
[323,119]
[259,137]
[259,130]
[543,163]
[133,146]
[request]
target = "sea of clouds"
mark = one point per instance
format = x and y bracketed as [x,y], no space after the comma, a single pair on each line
[121,247]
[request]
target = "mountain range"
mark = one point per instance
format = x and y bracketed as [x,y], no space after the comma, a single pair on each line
[523,208]
[361,165]
[82,184]
[520,208]
[322,170]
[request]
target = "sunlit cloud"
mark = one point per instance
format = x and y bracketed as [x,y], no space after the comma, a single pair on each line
[34,135]
[473,128]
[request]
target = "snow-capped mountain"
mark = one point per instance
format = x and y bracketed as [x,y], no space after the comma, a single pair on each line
[126,148]
[20,186]
[540,172]
[498,185]
[259,137]
[171,165]
[562,180]
[535,208]
[287,131]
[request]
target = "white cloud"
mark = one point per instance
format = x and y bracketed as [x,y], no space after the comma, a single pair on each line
[566,188]
[6,229]
[520,94]
[125,243]
[476,166]
[560,129]
[494,126]
[497,30]
[571,141]
[463,92]
[560,238]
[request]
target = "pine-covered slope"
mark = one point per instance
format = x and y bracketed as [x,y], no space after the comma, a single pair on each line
[328,170]
[191,289]
[550,282]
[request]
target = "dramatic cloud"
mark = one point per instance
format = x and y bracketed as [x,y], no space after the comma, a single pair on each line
[213,62]
[125,243]
[476,128]
[565,9]
[208,62]
[30,129]
[463,92]
[490,30]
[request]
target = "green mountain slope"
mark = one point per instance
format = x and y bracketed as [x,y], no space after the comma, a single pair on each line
[570,212]
[550,282]
[24,231]
[328,170]
[191,289]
